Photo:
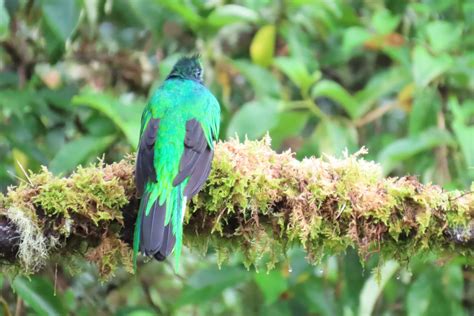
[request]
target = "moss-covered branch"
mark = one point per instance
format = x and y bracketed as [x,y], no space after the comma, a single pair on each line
[256,201]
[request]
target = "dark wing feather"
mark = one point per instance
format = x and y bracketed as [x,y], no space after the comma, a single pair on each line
[196,160]
[153,228]
[198,179]
[144,168]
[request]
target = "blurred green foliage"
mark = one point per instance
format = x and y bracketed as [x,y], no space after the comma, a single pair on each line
[320,76]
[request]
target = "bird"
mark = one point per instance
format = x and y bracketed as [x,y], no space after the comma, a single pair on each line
[179,128]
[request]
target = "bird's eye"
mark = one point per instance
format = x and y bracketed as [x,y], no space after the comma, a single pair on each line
[198,73]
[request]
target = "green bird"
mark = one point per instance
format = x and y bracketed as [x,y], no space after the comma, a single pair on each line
[178,129]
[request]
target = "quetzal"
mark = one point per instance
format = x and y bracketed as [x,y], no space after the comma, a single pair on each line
[178,128]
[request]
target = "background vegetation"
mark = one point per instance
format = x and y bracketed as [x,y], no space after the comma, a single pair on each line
[321,76]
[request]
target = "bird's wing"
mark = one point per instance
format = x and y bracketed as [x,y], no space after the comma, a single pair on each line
[145,170]
[195,163]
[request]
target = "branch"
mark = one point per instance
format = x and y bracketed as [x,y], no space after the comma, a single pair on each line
[256,201]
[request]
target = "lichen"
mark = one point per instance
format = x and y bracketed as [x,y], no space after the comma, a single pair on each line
[34,247]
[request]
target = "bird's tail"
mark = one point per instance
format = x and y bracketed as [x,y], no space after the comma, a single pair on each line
[160,227]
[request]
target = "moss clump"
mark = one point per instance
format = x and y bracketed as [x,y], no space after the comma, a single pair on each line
[52,214]
[256,202]
[109,254]
[255,195]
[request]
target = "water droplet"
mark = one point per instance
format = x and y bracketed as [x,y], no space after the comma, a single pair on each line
[290,269]
[398,277]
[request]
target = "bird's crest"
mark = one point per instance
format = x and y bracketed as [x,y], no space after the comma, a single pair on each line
[188,68]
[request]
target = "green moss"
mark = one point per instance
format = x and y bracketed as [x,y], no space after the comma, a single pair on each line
[256,203]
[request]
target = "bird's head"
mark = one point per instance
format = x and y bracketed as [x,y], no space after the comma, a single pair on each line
[188,68]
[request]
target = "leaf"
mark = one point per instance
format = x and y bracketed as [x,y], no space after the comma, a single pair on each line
[79,151]
[419,295]
[290,124]
[125,117]
[334,136]
[334,91]
[262,47]
[297,72]
[184,10]
[353,276]
[299,45]
[405,148]
[262,81]
[20,160]
[100,125]
[384,22]
[313,294]
[208,283]
[426,67]
[443,36]
[15,101]
[60,19]
[463,132]
[231,13]
[272,285]
[135,311]
[4,21]
[39,295]
[372,289]
[254,119]
[353,38]
[380,85]
[424,113]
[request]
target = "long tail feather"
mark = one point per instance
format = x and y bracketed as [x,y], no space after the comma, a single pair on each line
[138,227]
[178,227]
[159,228]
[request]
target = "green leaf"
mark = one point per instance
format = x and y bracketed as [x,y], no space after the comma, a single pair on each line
[314,296]
[262,47]
[184,10]
[290,124]
[405,148]
[443,36]
[262,81]
[100,125]
[206,284]
[231,13]
[272,285]
[354,37]
[424,113]
[39,295]
[79,151]
[16,101]
[4,21]
[426,67]
[334,136]
[299,45]
[135,311]
[297,72]
[60,19]
[353,279]
[385,22]
[463,131]
[334,91]
[254,119]
[380,85]
[419,295]
[372,288]
[125,116]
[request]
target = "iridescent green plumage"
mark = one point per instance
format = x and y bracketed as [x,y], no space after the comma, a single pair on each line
[179,127]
